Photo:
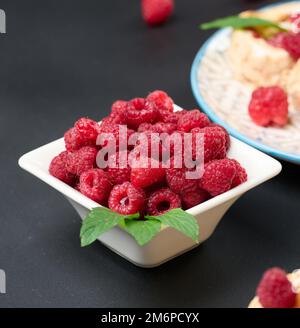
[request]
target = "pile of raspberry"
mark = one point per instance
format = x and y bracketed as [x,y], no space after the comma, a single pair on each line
[147,189]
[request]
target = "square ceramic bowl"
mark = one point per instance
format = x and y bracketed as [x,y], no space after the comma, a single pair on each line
[168,243]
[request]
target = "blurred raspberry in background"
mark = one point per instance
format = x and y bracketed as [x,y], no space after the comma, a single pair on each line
[156,12]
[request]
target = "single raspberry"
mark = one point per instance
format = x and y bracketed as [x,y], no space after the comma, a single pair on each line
[74,140]
[95,184]
[156,12]
[241,174]
[114,118]
[291,43]
[227,136]
[126,199]
[117,171]
[168,117]
[119,106]
[81,160]
[295,19]
[214,143]
[218,176]
[178,180]
[88,129]
[162,201]
[275,290]
[140,111]
[193,198]
[269,105]
[287,41]
[192,119]
[161,100]
[148,144]
[58,169]
[158,127]
[114,134]
[146,172]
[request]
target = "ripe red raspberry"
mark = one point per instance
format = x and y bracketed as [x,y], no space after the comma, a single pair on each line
[140,111]
[291,43]
[178,181]
[115,171]
[218,176]
[114,118]
[58,169]
[192,119]
[88,129]
[275,290]
[156,12]
[144,173]
[119,106]
[110,133]
[269,105]
[241,174]
[227,136]
[81,160]
[126,199]
[158,127]
[214,142]
[162,201]
[168,117]
[161,100]
[95,184]
[74,140]
[148,144]
[193,198]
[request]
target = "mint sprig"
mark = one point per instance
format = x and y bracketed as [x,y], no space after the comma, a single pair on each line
[238,22]
[102,219]
[181,221]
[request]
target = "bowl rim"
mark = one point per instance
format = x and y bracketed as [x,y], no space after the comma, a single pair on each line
[214,117]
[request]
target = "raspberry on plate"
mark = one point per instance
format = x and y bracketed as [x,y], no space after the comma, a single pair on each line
[116,172]
[95,184]
[126,199]
[147,172]
[291,43]
[140,111]
[74,140]
[119,106]
[269,105]
[81,160]
[159,127]
[161,100]
[275,290]
[193,198]
[218,176]
[192,119]
[156,12]
[58,169]
[162,201]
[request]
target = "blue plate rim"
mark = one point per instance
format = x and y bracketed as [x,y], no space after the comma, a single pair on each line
[205,107]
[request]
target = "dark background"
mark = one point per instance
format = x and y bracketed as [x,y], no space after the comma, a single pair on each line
[63,59]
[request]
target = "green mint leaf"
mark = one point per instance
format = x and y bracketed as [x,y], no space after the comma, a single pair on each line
[143,231]
[181,221]
[238,22]
[98,221]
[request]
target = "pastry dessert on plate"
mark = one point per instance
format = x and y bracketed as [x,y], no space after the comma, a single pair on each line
[277,289]
[266,56]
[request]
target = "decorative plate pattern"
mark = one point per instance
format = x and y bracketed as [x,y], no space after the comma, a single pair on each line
[226,100]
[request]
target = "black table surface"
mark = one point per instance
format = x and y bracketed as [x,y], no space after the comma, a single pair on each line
[63,59]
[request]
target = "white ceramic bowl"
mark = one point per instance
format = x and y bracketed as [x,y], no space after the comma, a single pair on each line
[168,243]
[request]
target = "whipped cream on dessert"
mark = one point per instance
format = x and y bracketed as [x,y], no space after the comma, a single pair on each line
[294,278]
[256,61]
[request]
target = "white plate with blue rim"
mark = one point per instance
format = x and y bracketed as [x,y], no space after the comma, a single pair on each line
[225,100]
